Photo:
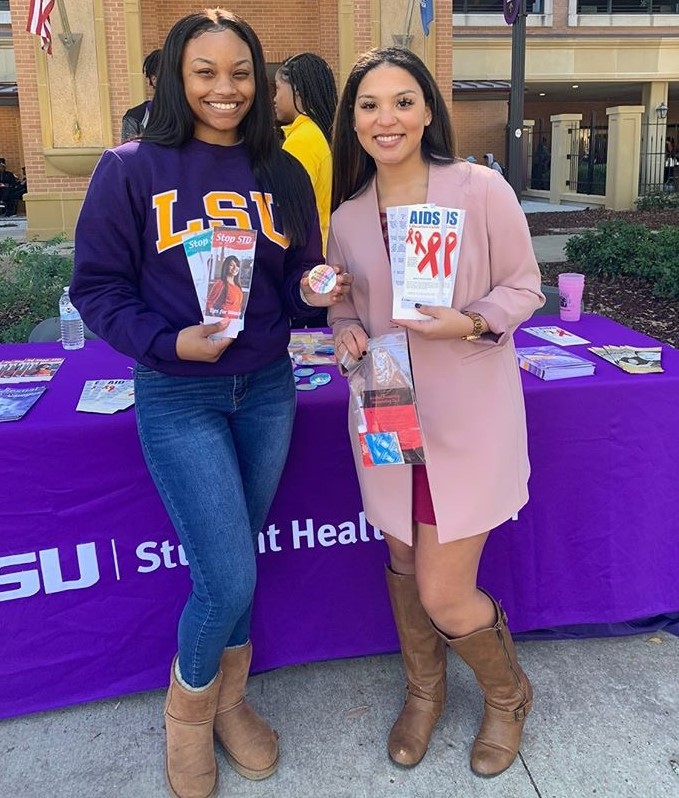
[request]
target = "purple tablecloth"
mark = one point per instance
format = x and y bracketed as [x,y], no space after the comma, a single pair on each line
[92,582]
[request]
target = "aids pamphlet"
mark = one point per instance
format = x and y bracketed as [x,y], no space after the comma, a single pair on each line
[424,249]
[221,263]
[557,335]
[383,403]
[106,396]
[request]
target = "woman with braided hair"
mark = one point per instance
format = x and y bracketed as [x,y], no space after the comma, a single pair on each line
[305,102]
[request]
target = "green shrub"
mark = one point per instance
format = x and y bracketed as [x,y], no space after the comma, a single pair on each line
[32,277]
[621,249]
[666,269]
[612,248]
[658,200]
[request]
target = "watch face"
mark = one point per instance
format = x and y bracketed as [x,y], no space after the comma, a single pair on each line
[511,10]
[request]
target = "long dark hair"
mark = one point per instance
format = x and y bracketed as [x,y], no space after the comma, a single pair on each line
[353,168]
[225,275]
[150,66]
[312,80]
[171,121]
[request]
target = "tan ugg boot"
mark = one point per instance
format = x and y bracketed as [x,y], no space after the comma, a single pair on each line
[250,744]
[508,695]
[190,766]
[424,662]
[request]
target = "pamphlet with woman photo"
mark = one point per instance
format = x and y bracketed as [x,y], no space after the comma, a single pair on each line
[221,261]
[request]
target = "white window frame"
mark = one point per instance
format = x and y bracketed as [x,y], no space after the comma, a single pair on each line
[576,20]
[544,20]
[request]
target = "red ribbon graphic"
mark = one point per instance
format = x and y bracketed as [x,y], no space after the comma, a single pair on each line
[429,252]
[449,248]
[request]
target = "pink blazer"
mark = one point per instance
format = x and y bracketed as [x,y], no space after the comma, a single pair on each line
[468,392]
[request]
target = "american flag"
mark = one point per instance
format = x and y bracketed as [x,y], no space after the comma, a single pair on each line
[39,21]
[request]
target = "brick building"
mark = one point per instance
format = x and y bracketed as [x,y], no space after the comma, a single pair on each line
[69,105]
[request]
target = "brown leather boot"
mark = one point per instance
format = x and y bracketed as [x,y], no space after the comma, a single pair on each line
[190,766]
[424,661]
[250,744]
[508,695]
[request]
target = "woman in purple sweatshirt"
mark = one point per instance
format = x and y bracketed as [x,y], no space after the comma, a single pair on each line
[214,416]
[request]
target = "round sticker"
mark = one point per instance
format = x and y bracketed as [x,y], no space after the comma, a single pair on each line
[303,372]
[322,279]
[320,379]
[306,386]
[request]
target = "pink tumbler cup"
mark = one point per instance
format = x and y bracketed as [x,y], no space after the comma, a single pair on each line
[571,285]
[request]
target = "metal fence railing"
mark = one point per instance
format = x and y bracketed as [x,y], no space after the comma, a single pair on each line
[539,149]
[588,156]
[659,158]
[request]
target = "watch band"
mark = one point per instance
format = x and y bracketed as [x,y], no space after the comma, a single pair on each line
[477,330]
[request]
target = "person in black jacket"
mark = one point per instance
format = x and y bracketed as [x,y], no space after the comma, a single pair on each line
[13,193]
[135,119]
[8,181]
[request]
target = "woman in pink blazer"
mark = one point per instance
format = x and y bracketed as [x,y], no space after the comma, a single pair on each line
[394,146]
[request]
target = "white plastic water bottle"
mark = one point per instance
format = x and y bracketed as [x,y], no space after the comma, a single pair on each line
[72,330]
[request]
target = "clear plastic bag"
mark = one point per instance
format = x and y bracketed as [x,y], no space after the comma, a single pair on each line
[383,403]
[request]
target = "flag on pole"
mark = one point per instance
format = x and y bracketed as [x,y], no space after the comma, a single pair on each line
[39,21]
[426,14]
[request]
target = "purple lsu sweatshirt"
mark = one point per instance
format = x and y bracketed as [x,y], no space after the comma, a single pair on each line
[131,280]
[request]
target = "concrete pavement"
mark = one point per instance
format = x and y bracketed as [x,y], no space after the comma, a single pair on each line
[604,724]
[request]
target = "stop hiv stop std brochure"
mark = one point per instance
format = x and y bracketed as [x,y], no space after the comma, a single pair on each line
[424,249]
[221,264]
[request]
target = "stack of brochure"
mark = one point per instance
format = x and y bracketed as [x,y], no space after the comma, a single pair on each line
[221,262]
[315,348]
[16,402]
[632,359]
[106,396]
[556,335]
[424,249]
[30,369]
[553,363]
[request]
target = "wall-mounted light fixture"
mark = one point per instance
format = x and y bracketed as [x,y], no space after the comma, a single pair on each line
[661,111]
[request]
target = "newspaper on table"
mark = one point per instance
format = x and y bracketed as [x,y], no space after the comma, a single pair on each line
[424,249]
[16,402]
[106,396]
[221,263]
[632,359]
[383,403]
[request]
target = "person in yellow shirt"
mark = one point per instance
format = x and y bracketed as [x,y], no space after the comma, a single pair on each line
[305,102]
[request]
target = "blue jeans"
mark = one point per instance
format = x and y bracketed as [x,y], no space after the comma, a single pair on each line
[216,447]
